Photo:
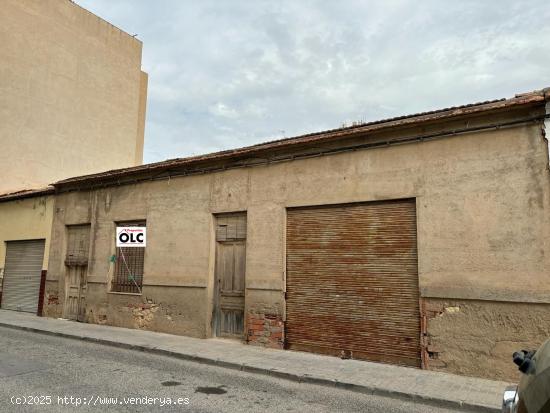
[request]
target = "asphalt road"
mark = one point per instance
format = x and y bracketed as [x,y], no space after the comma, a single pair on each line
[47,371]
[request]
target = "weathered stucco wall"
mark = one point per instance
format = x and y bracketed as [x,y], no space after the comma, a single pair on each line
[478,338]
[26,219]
[482,230]
[175,310]
[70,81]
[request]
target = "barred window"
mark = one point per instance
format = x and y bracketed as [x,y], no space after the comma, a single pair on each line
[128,275]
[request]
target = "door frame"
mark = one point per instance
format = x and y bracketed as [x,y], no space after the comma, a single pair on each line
[81,264]
[216,286]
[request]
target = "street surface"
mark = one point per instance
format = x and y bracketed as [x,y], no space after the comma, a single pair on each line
[57,374]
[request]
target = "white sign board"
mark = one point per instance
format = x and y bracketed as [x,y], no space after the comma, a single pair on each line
[131,236]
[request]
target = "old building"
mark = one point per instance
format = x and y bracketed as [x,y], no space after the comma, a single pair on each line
[420,240]
[72,102]
[72,94]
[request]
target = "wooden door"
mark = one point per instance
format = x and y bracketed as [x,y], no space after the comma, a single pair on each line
[76,271]
[230,275]
[75,298]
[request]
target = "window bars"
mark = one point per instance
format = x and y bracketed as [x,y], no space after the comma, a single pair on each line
[129,262]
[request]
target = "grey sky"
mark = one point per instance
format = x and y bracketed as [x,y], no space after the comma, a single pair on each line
[225,74]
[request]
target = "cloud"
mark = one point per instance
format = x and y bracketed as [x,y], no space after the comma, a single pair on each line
[228,74]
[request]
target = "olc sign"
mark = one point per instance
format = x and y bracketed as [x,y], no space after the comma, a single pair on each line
[131,236]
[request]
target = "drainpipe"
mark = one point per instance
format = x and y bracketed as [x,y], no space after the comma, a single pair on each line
[546,129]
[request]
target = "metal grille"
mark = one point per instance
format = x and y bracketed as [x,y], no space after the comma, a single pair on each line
[128,276]
[352,281]
[22,275]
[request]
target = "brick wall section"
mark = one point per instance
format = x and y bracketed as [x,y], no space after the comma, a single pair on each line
[265,330]
[52,306]
[432,309]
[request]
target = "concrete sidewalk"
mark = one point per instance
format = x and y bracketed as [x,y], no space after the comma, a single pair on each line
[429,387]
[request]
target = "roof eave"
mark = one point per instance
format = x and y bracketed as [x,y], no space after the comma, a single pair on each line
[532,98]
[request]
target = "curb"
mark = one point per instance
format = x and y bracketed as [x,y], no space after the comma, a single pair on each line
[371,390]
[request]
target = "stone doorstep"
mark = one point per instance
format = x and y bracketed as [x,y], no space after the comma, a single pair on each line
[220,354]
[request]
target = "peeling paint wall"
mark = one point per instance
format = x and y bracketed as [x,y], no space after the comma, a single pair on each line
[478,338]
[265,329]
[163,309]
[265,319]
[483,230]
[52,303]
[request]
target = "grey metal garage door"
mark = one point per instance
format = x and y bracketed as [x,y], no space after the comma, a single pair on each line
[22,273]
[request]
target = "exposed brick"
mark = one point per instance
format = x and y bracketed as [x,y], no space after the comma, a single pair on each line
[53,299]
[265,330]
[433,307]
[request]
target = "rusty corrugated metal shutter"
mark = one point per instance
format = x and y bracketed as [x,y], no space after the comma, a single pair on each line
[22,275]
[352,281]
